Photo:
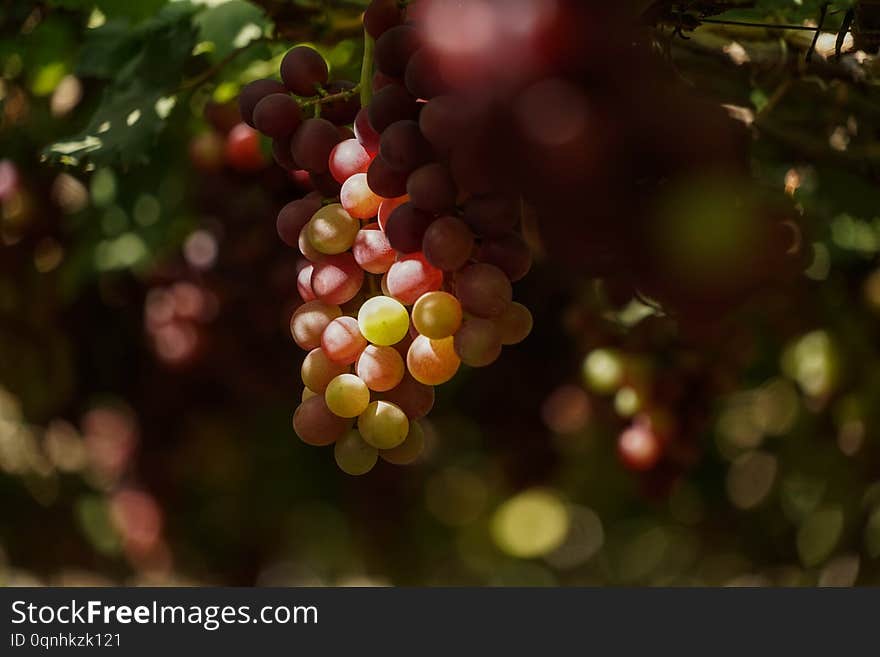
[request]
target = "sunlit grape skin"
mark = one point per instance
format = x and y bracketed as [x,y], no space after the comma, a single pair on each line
[318,370]
[347,396]
[337,278]
[432,362]
[437,315]
[372,251]
[342,340]
[411,277]
[348,158]
[383,321]
[358,199]
[381,368]
[383,425]
[332,229]
[309,321]
[353,455]
[316,425]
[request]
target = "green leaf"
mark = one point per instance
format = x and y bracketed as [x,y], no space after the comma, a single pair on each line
[144,65]
[230,25]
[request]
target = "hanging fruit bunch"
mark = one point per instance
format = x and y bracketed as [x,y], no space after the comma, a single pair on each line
[407,270]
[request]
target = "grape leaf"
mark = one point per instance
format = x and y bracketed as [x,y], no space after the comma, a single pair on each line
[143,64]
[231,25]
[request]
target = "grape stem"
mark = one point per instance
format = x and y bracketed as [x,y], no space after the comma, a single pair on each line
[366,83]
[332,98]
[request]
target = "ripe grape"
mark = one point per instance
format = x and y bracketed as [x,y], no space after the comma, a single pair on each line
[337,278]
[409,450]
[316,425]
[380,80]
[318,370]
[347,396]
[372,250]
[391,104]
[342,340]
[348,158]
[383,425]
[277,115]
[491,215]
[303,70]
[353,455]
[309,321]
[432,362]
[514,324]
[388,206]
[325,184]
[432,188]
[293,217]
[423,77]
[406,227]
[380,16]
[412,276]
[332,229]
[478,342]
[448,243]
[385,181]
[381,368]
[306,248]
[394,49]
[308,394]
[403,147]
[444,121]
[437,315]
[509,253]
[357,197]
[383,321]
[342,111]
[252,93]
[414,398]
[304,283]
[364,132]
[282,155]
[484,290]
[312,144]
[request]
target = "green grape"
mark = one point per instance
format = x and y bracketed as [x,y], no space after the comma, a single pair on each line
[383,321]
[353,455]
[383,425]
[409,450]
[347,396]
[436,315]
[332,230]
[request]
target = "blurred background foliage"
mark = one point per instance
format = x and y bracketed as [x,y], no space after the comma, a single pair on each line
[147,377]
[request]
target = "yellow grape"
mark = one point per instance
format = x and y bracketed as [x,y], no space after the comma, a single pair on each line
[383,425]
[347,396]
[437,315]
[332,230]
[383,321]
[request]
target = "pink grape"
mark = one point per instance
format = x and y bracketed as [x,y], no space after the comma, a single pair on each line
[309,321]
[381,368]
[342,340]
[411,277]
[358,198]
[337,278]
[372,251]
[348,158]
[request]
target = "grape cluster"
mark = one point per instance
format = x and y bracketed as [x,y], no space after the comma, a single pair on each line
[407,267]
